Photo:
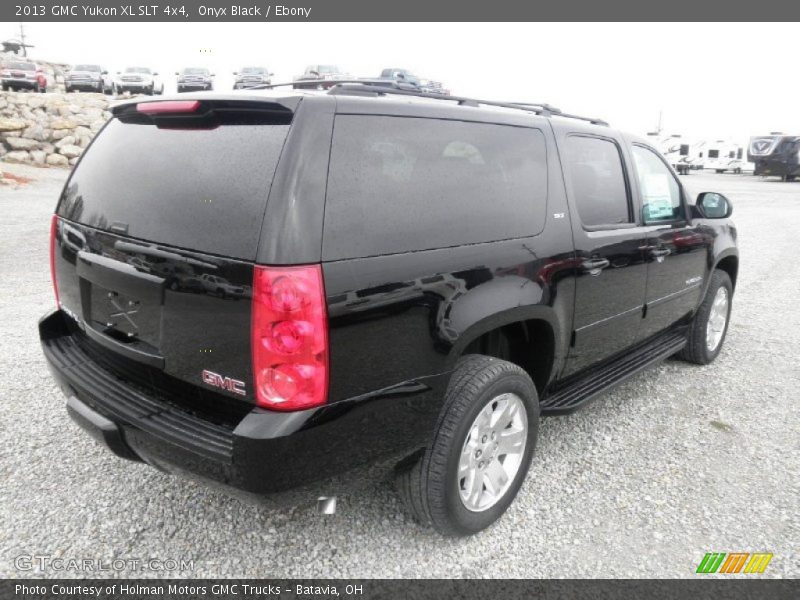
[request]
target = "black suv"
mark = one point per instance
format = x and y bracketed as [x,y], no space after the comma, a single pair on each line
[417,280]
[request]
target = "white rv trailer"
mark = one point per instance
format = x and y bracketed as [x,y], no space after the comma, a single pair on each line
[724,155]
[684,155]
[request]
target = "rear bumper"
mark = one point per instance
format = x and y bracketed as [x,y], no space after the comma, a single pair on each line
[280,458]
[134,86]
[20,83]
[83,85]
[776,167]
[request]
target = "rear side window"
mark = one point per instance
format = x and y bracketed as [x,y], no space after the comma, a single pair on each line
[399,184]
[201,189]
[598,183]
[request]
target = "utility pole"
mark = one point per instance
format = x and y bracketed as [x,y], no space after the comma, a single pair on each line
[22,40]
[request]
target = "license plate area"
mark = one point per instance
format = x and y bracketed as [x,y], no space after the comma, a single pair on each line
[123,317]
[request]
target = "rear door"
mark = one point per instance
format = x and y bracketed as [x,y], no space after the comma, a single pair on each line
[158,228]
[612,274]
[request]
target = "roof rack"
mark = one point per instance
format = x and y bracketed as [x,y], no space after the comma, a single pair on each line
[378,87]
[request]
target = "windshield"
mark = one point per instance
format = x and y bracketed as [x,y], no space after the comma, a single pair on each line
[22,66]
[93,68]
[326,69]
[195,71]
[137,70]
[254,70]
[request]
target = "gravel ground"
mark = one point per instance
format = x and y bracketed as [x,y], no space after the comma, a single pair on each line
[679,461]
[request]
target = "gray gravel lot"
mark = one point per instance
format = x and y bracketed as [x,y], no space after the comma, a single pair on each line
[679,461]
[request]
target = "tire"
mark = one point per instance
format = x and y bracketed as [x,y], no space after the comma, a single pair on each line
[431,487]
[36,88]
[698,347]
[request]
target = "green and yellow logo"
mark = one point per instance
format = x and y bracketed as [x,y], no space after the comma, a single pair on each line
[734,562]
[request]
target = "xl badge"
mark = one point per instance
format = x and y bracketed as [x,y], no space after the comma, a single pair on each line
[225,383]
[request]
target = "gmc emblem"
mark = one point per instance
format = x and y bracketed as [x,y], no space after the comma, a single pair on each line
[225,383]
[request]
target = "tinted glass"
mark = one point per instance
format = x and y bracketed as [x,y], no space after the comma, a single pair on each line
[22,66]
[94,68]
[201,189]
[661,195]
[403,184]
[598,181]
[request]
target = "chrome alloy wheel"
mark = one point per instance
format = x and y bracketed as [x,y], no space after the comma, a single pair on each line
[492,452]
[717,319]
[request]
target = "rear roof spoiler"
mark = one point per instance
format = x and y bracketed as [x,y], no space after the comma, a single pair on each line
[207,111]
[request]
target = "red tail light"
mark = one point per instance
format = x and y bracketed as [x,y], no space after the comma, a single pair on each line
[289,337]
[168,107]
[53,234]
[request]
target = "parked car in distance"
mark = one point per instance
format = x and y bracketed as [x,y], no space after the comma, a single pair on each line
[139,80]
[316,73]
[252,76]
[384,334]
[24,75]
[220,286]
[88,78]
[194,79]
[433,87]
[401,75]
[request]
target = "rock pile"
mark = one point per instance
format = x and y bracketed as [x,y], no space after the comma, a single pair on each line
[49,129]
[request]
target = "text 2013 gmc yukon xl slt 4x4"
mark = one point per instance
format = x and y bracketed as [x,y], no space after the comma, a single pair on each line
[420,279]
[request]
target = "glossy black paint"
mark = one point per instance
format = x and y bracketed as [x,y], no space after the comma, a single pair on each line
[398,323]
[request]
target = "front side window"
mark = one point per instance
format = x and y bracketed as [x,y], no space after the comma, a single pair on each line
[595,170]
[661,194]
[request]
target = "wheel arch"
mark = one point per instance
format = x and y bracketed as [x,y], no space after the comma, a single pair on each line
[526,336]
[730,264]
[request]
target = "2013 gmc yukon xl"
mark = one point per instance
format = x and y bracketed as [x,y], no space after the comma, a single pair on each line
[421,279]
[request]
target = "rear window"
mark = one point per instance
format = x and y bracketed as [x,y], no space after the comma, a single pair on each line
[400,184]
[201,189]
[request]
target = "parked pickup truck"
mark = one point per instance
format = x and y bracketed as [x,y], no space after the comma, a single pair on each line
[422,280]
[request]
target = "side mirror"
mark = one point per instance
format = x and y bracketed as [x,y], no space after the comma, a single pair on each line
[154,74]
[400,77]
[213,75]
[271,75]
[103,72]
[119,72]
[712,205]
[235,73]
[314,73]
[176,73]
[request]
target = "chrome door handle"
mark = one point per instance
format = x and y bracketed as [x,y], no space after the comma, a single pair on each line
[659,252]
[594,266]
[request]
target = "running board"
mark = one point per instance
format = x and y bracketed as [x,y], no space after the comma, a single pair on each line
[586,387]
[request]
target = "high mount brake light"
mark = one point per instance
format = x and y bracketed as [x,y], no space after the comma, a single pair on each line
[168,107]
[53,235]
[289,337]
